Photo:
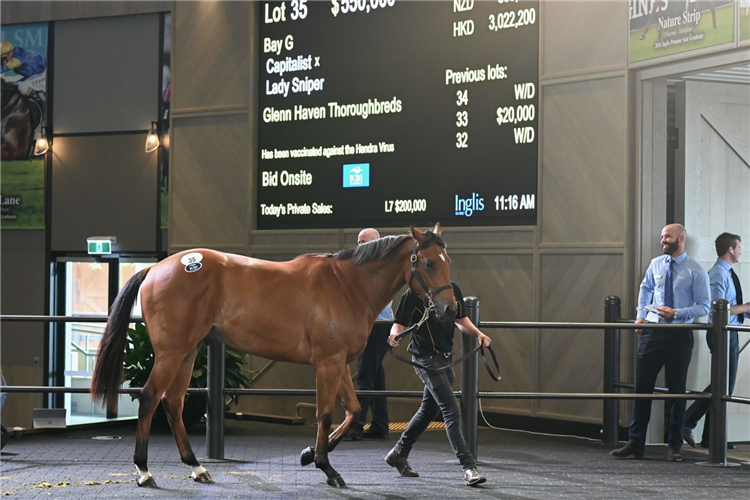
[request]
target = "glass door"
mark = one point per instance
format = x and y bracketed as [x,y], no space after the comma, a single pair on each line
[89,287]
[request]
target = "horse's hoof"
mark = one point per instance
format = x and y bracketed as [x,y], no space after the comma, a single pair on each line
[307,456]
[203,478]
[336,482]
[148,483]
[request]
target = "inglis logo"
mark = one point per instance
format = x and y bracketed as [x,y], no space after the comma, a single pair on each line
[468,206]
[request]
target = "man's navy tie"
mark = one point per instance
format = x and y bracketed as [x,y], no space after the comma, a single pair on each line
[738,290]
[668,290]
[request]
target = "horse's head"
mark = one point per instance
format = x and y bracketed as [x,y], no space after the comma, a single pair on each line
[430,275]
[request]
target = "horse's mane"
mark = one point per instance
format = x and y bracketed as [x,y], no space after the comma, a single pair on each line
[382,248]
[9,90]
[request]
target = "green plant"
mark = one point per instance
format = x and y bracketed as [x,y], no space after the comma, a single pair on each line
[139,360]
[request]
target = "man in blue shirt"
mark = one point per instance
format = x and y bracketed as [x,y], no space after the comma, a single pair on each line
[679,286]
[724,285]
[371,375]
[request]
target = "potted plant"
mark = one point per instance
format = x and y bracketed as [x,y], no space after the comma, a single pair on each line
[139,360]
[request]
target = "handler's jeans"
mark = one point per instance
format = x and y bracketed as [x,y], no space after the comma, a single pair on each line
[672,350]
[438,397]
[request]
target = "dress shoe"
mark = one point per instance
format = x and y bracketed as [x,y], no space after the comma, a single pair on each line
[627,450]
[375,435]
[674,455]
[400,463]
[473,478]
[352,435]
[687,435]
[704,444]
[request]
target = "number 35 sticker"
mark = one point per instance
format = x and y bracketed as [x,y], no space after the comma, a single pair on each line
[192,261]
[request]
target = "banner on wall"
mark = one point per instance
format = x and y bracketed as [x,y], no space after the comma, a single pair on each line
[660,28]
[164,108]
[744,20]
[24,111]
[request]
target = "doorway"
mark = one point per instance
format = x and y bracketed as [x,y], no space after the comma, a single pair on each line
[695,170]
[86,286]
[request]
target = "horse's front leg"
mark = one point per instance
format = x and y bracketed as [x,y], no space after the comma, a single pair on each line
[328,376]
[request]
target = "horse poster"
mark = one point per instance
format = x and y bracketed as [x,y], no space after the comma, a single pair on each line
[661,28]
[24,109]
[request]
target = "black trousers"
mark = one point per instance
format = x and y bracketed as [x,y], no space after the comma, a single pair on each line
[671,350]
[371,377]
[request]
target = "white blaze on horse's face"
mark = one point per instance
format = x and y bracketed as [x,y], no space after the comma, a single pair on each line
[442,256]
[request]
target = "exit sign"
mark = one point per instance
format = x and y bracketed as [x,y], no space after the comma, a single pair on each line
[100,247]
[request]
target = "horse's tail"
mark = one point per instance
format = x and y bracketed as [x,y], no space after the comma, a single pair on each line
[105,384]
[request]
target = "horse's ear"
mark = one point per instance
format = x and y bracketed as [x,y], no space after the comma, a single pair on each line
[417,234]
[438,229]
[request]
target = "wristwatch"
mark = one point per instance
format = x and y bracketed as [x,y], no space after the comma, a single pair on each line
[674,316]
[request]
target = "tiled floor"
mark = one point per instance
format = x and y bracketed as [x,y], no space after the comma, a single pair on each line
[263,462]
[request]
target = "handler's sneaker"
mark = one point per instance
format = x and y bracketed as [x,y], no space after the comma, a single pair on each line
[473,478]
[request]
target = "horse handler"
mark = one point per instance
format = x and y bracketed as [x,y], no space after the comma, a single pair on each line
[432,347]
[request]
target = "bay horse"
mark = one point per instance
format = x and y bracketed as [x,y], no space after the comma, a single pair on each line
[17,134]
[317,309]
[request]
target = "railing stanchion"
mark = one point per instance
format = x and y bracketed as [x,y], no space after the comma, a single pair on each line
[717,448]
[470,379]
[215,400]
[611,410]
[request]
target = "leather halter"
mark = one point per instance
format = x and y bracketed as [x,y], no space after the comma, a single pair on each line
[428,294]
[495,374]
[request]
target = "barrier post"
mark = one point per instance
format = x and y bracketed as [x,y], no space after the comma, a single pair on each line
[215,400]
[611,413]
[470,379]
[717,448]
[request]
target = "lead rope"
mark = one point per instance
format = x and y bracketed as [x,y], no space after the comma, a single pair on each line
[431,307]
[495,374]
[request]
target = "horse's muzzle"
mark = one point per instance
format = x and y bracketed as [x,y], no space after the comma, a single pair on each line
[446,311]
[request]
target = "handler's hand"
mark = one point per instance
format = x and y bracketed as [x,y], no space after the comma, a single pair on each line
[484,340]
[392,340]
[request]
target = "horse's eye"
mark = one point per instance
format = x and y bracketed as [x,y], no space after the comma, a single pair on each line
[428,264]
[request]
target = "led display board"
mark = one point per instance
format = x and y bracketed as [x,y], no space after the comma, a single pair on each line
[388,113]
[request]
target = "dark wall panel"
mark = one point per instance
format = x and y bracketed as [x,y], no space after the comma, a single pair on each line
[106,74]
[103,186]
[23,277]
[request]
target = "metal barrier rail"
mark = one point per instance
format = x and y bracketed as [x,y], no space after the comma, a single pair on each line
[612,326]
[719,380]
[469,392]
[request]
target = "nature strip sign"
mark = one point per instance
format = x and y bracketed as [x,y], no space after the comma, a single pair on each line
[661,28]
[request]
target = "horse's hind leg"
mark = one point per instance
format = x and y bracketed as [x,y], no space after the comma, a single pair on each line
[173,401]
[162,375]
